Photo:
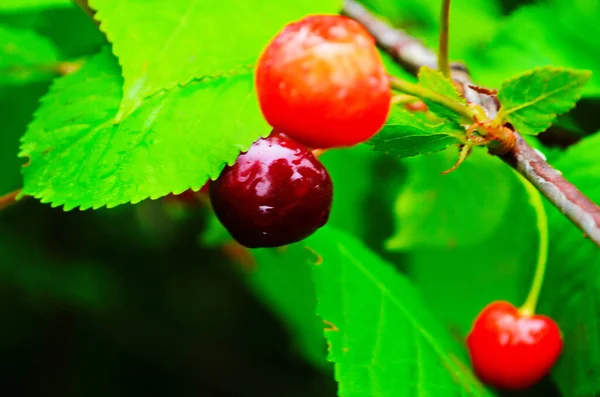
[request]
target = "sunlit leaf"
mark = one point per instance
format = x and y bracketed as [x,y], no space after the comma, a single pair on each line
[458,209]
[162,44]
[405,134]
[532,100]
[79,156]
[383,339]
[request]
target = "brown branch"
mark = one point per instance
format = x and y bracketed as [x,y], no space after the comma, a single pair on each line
[412,54]
[9,199]
[83,4]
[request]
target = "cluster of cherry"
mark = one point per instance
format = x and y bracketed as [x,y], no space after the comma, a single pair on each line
[321,84]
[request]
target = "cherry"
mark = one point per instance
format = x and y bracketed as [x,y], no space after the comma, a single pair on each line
[511,350]
[275,194]
[322,82]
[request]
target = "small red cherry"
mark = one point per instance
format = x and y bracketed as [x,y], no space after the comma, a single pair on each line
[511,350]
[275,194]
[322,82]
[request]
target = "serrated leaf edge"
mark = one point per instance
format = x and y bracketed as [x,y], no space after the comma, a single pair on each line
[584,75]
[68,206]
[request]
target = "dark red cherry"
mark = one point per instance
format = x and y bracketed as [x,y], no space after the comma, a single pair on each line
[275,194]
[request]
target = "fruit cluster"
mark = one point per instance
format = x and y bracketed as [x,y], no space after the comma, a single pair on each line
[320,84]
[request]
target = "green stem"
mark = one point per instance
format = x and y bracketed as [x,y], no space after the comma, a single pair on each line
[535,199]
[427,94]
[443,57]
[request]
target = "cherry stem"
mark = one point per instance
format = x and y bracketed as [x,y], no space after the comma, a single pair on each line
[318,152]
[443,57]
[425,93]
[400,99]
[535,199]
[9,198]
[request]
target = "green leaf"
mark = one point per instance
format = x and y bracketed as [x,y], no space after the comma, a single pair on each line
[25,56]
[571,291]
[364,192]
[353,173]
[458,281]
[407,134]
[18,103]
[532,100]
[282,279]
[436,81]
[383,339]
[459,209]
[160,46]
[21,5]
[557,32]
[79,155]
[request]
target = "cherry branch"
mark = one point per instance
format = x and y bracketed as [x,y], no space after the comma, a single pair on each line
[9,198]
[410,53]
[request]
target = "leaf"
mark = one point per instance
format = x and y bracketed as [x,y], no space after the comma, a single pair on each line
[364,192]
[458,281]
[458,209]
[59,25]
[25,56]
[571,292]
[18,103]
[436,81]
[532,100]
[353,172]
[282,279]
[383,339]
[161,45]
[405,134]
[557,32]
[80,157]
[20,5]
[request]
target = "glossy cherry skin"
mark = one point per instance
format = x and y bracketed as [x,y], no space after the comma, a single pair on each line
[510,350]
[322,82]
[275,194]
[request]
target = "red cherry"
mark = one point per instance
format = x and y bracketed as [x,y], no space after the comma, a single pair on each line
[275,194]
[322,82]
[511,350]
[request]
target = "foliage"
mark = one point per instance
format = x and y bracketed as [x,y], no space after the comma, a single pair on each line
[573,284]
[113,158]
[159,97]
[532,101]
[382,338]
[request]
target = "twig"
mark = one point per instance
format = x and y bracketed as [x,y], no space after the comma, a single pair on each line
[562,193]
[443,59]
[9,198]
[83,4]
[412,54]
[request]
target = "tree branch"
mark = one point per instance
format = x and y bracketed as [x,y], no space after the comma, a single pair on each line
[83,4]
[9,199]
[412,54]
